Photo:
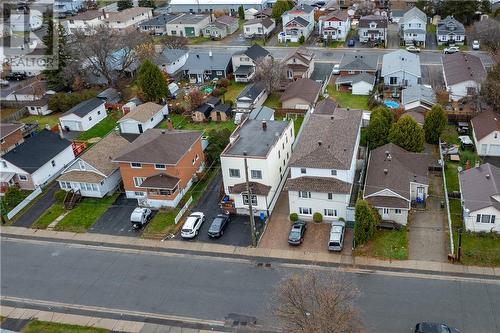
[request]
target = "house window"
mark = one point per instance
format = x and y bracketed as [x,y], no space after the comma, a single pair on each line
[247,29]
[90,118]
[330,196]
[152,119]
[393,80]
[305,194]
[483,218]
[334,172]
[165,192]
[256,174]
[245,199]
[234,173]
[305,211]
[208,31]
[23,178]
[330,212]
[173,32]
[219,73]
[279,154]
[160,166]
[397,211]
[53,163]
[99,112]
[138,181]
[139,194]
[351,72]
[289,74]
[303,171]
[63,184]
[197,157]
[94,187]
[193,161]
[81,164]
[136,165]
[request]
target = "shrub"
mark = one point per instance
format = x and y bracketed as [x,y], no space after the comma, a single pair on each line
[177,109]
[13,197]
[294,217]
[317,217]
[60,195]
[217,92]
[224,83]
[302,39]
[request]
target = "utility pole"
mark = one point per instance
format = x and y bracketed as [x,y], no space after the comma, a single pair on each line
[250,208]
[459,250]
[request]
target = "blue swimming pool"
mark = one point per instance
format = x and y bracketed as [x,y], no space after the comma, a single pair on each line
[391,104]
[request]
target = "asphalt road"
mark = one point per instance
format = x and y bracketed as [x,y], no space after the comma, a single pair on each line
[210,287]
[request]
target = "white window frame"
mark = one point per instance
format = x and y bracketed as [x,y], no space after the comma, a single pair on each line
[398,211]
[135,165]
[305,211]
[244,197]
[159,166]
[330,212]
[232,173]
[138,181]
[21,178]
[257,175]
[305,194]
[303,171]
[139,194]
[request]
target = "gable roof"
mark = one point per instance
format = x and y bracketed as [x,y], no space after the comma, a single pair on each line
[318,184]
[353,79]
[188,19]
[460,67]
[328,141]
[109,94]
[265,21]
[479,186]
[256,51]
[251,91]
[142,112]
[223,107]
[391,167]
[9,128]
[418,93]
[35,88]
[226,20]
[199,61]
[364,22]
[301,53]
[326,106]
[415,115]
[303,88]
[158,20]
[300,8]
[412,14]
[359,62]
[205,109]
[161,180]
[84,108]
[336,15]
[298,20]
[401,60]
[485,123]
[169,55]
[87,15]
[37,150]
[261,113]
[159,146]
[450,25]
[127,14]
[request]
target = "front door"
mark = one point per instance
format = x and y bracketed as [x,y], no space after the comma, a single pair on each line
[385,213]
[420,193]
[140,128]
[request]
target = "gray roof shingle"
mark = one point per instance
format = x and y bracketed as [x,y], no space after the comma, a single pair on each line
[401,60]
[479,186]
[199,61]
[359,62]
[85,107]
[418,93]
[460,67]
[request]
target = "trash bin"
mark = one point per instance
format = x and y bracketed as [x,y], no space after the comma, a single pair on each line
[442,203]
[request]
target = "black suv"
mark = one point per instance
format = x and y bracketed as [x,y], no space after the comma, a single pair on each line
[296,235]
[218,225]
[428,327]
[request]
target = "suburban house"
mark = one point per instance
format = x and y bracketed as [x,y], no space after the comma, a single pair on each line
[33,91]
[266,146]
[36,161]
[83,116]
[334,25]
[252,96]
[11,136]
[142,117]
[128,18]
[208,6]
[109,95]
[357,84]
[85,22]
[325,106]
[206,66]
[244,62]
[486,133]
[297,22]
[301,94]
[188,25]
[250,13]
[480,197]
[463,74]
[418,98]
[221,112]
[39,107]
[222,27]
[373,28]
[396,178]
[352,64]
[258,27]
[413,27]
[202,112]
[158,167]
[299,64]
[401,68]
[450,31]
[156,25]
[171,60]
[323,165]
[94,173]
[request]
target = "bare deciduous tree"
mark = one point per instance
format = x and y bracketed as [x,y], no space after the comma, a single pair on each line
[365,8]
[488,32]
[195,98]
[173,42]
[270,73]
[317,303]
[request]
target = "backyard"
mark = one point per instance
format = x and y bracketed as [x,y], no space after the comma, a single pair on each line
[184,122]
[386,244]
[233,90]
[347,100]
[102,128]
[297,121]
[50,119]
[273,101]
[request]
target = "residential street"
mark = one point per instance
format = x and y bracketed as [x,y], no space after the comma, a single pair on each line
[211,288]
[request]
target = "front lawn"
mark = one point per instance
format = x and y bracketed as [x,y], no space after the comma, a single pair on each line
[102,128]
[233,90]
[480,249]
[37,326]
[184,122]
[386,244]
[273,101]
[162,224]
[348,100]
[48,216]
[197,40]
[85,214]
[50,119]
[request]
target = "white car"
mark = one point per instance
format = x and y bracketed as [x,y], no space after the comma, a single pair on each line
[140,217]
[336,69]
[412,49]
[451,49]
[475,45]
[192,225]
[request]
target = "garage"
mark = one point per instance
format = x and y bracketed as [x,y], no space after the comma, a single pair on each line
[494,150]
[359,84]
[71,125]
[189,31]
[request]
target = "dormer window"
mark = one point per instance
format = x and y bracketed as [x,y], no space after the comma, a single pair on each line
[373,25]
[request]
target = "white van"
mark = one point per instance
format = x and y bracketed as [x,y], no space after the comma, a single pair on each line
[192,225]
[336,241]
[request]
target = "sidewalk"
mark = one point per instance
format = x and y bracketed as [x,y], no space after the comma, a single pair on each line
[263,254]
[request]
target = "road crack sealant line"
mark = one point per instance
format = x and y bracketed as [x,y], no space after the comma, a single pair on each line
[273,261]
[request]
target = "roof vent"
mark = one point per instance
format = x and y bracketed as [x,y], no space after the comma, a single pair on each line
[197,56]
[264,125]
[332,117]
[487,176]
[386,171]
[320,143]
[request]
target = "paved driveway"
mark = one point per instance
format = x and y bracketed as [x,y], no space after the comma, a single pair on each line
[38,208]
[116,220]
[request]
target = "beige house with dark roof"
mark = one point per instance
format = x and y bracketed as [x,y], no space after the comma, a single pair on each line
[142,117]
[395,178]
[301,94]
[299,64]
[129,18]
[94,173]
[486,133]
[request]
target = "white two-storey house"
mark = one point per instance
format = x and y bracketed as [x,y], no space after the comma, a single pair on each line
[334,25]
[297,22]
[413,27]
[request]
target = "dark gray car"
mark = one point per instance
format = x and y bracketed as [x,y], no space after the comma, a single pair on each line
[296,235]
[429,327]
[218,225]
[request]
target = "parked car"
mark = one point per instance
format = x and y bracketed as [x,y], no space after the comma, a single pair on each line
[140,217]
[4,83]
[412,49]
[476,45]
[296,235]
[218,225]
[336,69]
[16,76]
[428,327]
[451,49]
[336,241]
[192,225]
[350,43]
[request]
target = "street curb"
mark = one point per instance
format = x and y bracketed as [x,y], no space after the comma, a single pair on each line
[259,260]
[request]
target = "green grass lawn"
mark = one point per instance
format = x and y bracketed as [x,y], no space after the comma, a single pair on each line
[297,122]
[386,244]
[347,100]
[184,122]
[102,128]
[48,216]
[273,101]
[37,326]
[197,40]
[233,90]
[291,44]
[451,173]
[480,249]
[85,214]
[450,135]
[162,224]
[50,119]
[431,28]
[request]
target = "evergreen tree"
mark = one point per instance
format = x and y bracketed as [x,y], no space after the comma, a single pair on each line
[366,221]
[378,129]
[152,82]
[434,124]
[56,42]
[241,13]
[147,3]
[407,134]
[280,7]
[124,4]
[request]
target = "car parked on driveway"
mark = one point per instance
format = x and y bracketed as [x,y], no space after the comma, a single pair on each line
[428,327]
[218,225]
[296,235]
[350,43]
[451,49]
[413,49]
[336,69]
[337,231]
[140,217]
[476,45]
[192,225]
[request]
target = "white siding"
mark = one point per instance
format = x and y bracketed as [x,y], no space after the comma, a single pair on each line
[176,65]
[392,216]
[75,123]
[318,203]
[47,171]
[459,90]
[362,88]
[132,126]
[472,225]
